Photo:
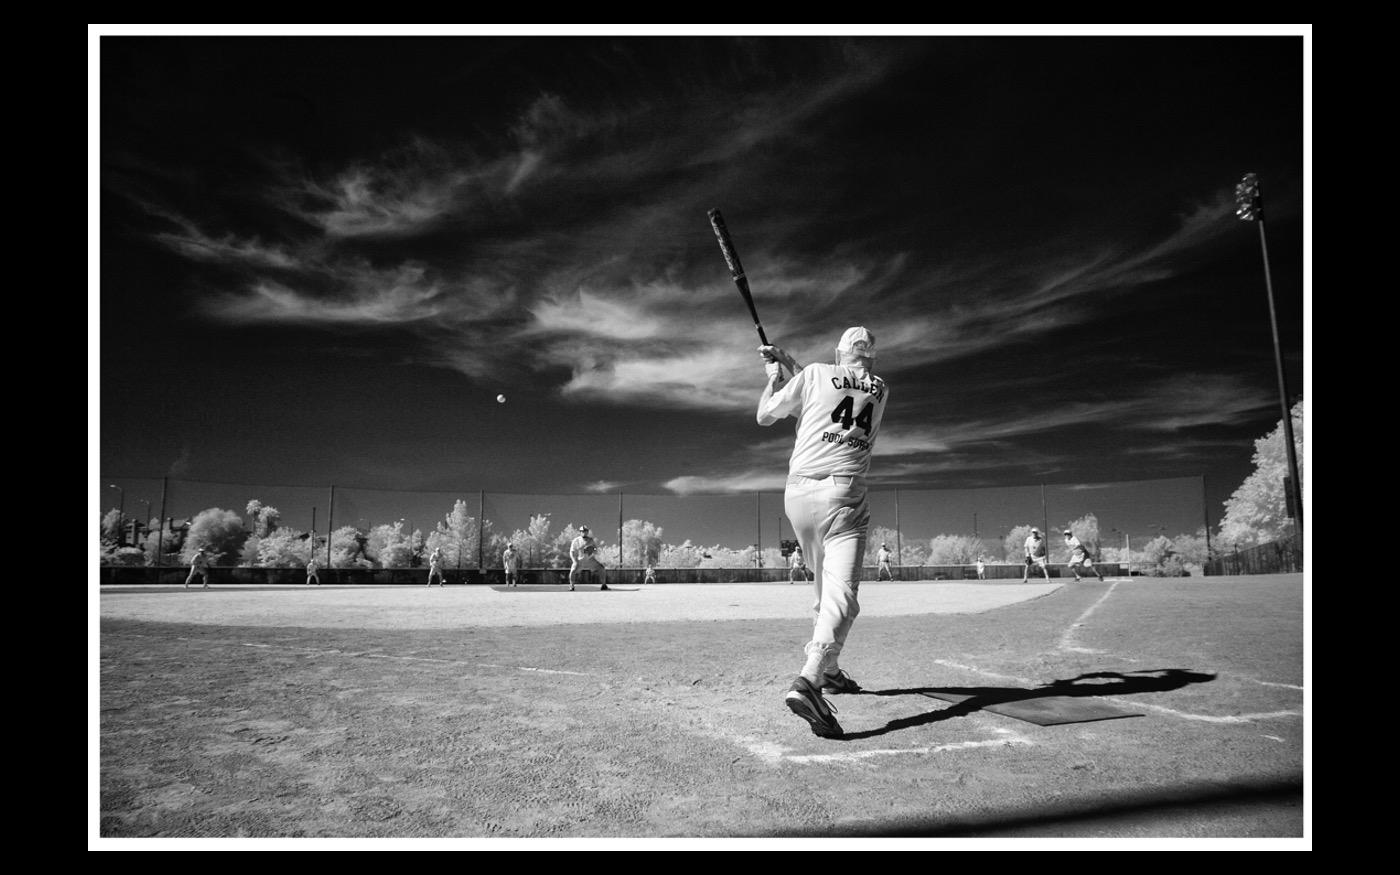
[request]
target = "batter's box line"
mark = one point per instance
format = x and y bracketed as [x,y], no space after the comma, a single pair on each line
[774,754]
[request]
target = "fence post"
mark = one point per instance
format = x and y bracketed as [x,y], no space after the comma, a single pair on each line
[330,525]
[160,538]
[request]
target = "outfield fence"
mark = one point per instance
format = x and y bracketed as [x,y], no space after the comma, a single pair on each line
[1275,557]
[370,527]
[117,575]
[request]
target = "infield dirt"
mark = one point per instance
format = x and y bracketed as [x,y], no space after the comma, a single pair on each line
[657,712]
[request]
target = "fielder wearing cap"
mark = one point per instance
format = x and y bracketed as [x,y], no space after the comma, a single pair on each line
[838,408]
[1079,556]
[581,551]
[1036,554]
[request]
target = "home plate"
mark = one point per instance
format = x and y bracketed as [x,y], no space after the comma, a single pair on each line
[1040,710]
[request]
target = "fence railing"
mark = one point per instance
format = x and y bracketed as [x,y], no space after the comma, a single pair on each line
[135,575]
[1275,557]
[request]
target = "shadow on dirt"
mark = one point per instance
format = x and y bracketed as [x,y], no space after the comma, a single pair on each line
[1099,683]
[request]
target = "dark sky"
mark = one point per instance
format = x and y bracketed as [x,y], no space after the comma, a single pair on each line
[322,258]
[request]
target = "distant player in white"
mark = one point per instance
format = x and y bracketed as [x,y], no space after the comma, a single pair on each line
[511,561]
[838,408]
[799,566]
[651,573]
[1079,555]
[581,552]
[882,558]
[981,568]
[199,567]
[435,567]
[1036,554]
[311,574]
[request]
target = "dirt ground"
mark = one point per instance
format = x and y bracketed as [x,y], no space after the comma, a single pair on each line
[549,718]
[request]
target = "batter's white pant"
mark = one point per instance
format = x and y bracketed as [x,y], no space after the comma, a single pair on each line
[830,517]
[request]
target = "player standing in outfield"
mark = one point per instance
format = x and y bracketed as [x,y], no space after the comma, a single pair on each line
[651,573]
[981,568]
[838,408]
[1036,554]
[1079,555]
[581,552]
[199,567]
[882,558]
[435,567]
[311,574]
[798,565]
[510,560]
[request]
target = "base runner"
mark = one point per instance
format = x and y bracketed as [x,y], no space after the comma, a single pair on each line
[1079,556]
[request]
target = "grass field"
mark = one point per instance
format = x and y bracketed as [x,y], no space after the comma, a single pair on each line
[657,713]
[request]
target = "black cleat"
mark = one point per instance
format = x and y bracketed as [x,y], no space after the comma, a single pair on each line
[840,682]
[806,702]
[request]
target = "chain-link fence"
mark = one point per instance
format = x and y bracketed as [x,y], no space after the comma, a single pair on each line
[162,522]
[1275,557]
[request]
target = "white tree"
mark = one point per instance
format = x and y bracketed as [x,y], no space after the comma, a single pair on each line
[349,548]
[641,543]
[534,543]
[263,518]
[391,546]
[284,548]
[684,555]
[955,550]
[1257,512]
[219,530]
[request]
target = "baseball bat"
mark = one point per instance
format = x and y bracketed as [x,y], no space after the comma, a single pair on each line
[736,269]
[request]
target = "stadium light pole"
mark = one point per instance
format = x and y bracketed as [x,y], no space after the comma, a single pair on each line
[1249,207]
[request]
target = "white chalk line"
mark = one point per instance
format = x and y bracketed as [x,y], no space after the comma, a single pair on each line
[1067,639]
[774,754]
[1207,718]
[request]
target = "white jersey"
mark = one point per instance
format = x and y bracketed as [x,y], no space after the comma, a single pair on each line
[1075,545]
[510,559]
[1035,547]
[838,410]
[582,547]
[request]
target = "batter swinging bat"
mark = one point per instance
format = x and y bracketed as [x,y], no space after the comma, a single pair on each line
[736,272]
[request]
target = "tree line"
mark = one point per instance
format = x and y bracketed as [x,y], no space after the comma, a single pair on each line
[1255,514]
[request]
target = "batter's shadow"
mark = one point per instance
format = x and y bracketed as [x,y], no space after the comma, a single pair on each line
[1098,683]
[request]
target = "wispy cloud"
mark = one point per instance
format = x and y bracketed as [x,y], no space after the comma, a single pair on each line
[747,481]
[577,280]
[405,193]
[408,294]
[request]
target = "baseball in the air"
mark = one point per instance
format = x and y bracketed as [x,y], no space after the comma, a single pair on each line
[500,399]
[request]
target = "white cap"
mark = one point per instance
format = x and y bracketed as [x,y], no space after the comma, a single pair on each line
[858,341]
